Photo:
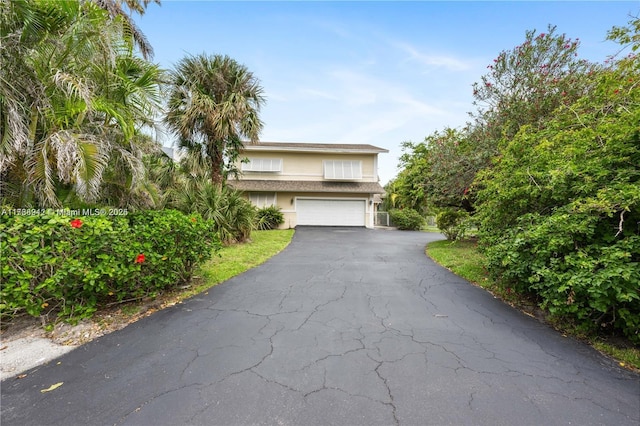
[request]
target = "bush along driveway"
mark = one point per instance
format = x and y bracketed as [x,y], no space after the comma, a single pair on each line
[345,326]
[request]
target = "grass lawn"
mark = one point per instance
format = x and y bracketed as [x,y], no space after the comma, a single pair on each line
[463,259]
[235,259]
[429,228]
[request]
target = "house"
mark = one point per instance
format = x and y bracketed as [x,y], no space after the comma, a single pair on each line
[312,183]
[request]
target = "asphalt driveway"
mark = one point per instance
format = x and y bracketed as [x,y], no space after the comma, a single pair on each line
[347,327]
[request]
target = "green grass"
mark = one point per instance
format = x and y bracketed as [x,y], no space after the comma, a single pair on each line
[464,259]
[235,259]
[429,228]
[626,357]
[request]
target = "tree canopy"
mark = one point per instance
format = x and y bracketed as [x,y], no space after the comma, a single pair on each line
[214,106]
[550,169]
[73,98]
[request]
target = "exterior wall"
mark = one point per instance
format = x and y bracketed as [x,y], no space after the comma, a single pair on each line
[308,166]
[287,203]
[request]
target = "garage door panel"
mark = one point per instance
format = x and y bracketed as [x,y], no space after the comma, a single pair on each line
[327,212]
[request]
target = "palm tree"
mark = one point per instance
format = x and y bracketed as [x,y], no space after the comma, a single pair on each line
[115,10]
[73,98]
[213,106]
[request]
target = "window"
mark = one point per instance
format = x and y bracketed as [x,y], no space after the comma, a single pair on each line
[273,165]
[262,199]
[342,170]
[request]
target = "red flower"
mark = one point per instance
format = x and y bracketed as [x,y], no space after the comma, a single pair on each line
[193,219]
[139,258]
[76,223]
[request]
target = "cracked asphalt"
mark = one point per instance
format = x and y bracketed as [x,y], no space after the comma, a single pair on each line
[346,326]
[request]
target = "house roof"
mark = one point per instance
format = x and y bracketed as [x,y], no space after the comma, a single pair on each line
[305,186]
[314,147]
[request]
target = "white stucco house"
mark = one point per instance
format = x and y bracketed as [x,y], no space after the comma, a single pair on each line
[312,183]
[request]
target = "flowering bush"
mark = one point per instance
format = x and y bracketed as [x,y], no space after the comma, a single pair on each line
[559,212]
[55,264]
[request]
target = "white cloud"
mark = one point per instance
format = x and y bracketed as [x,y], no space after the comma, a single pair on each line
[440,61]
[344,105]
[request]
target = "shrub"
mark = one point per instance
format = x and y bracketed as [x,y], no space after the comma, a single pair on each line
[559,210]
[69,265]
[407,219]
[239,217]
[269,218]
[233,215]
[453,223]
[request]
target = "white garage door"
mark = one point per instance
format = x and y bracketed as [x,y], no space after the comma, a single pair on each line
[331,212]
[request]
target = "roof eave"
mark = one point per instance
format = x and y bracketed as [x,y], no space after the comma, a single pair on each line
[325,149]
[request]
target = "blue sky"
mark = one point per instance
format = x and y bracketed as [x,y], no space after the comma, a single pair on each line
[372,72]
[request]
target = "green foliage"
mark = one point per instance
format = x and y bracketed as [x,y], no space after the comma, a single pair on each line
[237,258]
[213,106]
[234,217]
[69,265]
[463,259]
[270,218]
[559,211]
[551,166]
[526,84]
[71,105]
[407,219]
[454,163]
[453,223]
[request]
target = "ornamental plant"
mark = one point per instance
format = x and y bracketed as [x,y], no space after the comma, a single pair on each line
[407,219]
[452,223]
[559,211]
[53,266]
[269,218]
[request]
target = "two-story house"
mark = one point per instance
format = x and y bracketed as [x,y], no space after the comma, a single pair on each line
[312,183]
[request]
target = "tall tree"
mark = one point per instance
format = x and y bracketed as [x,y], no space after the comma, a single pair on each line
[117,11]
[526,84]
[73,97]
[213,106]
[559,211]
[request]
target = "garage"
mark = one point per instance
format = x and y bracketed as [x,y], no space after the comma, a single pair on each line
[330,212]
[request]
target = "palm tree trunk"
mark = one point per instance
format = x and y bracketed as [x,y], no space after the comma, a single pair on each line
[216,167]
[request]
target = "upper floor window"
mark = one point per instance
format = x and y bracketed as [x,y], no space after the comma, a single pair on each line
[273,165]
[340,169]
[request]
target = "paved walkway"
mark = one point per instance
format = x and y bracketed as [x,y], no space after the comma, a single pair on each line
[345,327]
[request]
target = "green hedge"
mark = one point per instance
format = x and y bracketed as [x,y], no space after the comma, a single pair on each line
[68,265]
[407,219]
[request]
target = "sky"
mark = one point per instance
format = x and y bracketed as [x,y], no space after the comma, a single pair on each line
[369,72]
